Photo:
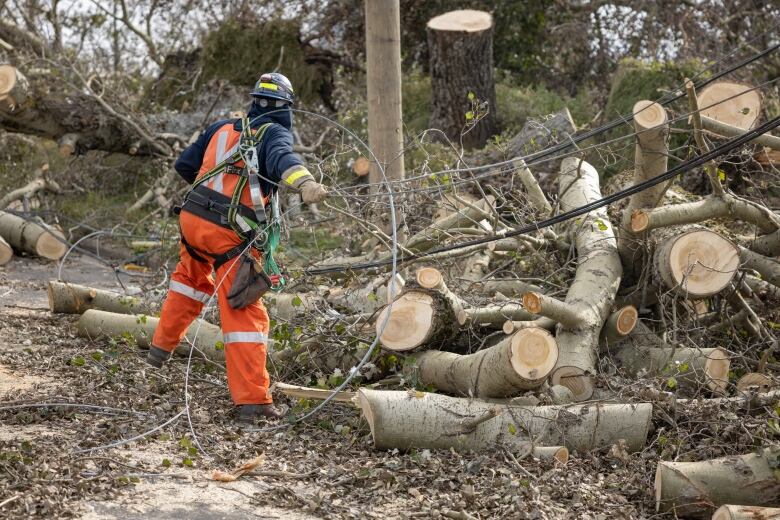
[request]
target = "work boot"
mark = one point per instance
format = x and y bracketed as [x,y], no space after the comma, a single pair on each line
[249,413]
[157,356]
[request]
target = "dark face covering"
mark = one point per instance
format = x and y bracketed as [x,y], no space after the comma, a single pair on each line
[259,115]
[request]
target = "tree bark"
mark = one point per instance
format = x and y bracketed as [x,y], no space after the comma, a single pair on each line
[406,420]
[697,488]
[95,324]
[461,50]
[70,298]
[494,316]
[591,294]
[768,268]
[520,362]
[31,237]
[6,253]
[727,130]
[650,160]
[732,512]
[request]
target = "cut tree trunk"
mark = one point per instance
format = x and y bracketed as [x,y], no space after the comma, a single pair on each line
[418,317]
[13,87]
[406,420]
[694,261]
[768,268]
[70,298]
[30,237]
[768,245]
[207,338]
[650,160]
[557,453]
[460,44]
[697,488]
[620,324]
[591,294]
[6,252]
[731,103]
[732,512]
[520,362]
[753,381]
[494,316]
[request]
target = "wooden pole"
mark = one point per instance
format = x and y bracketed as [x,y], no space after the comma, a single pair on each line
[383,67]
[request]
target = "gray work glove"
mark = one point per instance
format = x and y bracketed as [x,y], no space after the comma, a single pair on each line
[312,192]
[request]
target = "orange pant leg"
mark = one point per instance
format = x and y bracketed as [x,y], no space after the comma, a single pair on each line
[245,333]
[191,287]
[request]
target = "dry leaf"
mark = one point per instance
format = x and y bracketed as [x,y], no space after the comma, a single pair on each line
[221,476]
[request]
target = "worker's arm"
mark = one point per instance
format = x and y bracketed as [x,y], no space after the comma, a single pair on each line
[285,167]
[191,159]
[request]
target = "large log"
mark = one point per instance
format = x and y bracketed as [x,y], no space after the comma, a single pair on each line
[6,252]
[732,512]
[206,338]
[417,317]
[13,87]
[520,362]
[591,294]
[460,44]
[697,488]
[731,103]
[406,420]
[650,160]
[30,237]
[71,298]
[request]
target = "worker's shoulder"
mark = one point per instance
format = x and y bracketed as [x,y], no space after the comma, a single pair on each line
[276,132]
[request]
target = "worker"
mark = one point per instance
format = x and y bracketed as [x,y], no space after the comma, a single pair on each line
[216,233]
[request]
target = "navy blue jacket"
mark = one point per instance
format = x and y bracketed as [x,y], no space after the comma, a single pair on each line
[275,151]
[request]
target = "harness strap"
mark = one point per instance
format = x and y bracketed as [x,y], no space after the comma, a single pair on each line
[219,259]
[215,207]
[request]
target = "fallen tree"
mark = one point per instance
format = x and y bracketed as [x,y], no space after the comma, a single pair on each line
[72,298]
[406,420]
[27,236]
[697,488]
[732,512]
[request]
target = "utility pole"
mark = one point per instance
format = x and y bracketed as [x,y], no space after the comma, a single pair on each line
[383,54]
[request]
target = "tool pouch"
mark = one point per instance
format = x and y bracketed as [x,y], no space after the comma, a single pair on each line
[249,285]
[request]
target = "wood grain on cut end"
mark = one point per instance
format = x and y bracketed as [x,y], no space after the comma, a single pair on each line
[701,262]
[7,80]
[410,322]
[626,319]
[732,512]
[534,353]
[532,302]
[428,277]
[575,379]
[465,20]
[649,114]
[716,369]
[6,252]
[361,166]
[51,244]
[731,103]
[639,221]
[754,380]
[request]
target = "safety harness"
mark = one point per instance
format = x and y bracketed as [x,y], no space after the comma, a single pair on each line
[252,225]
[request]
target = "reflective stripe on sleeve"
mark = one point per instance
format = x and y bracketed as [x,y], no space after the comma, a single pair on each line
[245,337]
[295,176]
[189,292]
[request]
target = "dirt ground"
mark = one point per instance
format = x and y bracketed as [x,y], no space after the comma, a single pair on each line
[56,460]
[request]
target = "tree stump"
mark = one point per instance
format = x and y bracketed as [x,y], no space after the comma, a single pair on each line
[731,103]
[461,50]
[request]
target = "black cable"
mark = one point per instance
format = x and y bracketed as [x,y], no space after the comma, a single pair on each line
[723,149]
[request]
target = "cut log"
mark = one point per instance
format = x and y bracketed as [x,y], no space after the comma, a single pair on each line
[754,381]
[361,166]
[591,294]
[460,44]
[520,362]
[13,87]
[432,279]
[650,160]
[731,103]
[726,130]
[207,338]
[70,298]
[690,367]
[6,252]
[417,317]
[30,237]
[620,324]
[768,268]
[511,326]
[768,245]
[768,158]
[556,453]
[695,261]
[732,512]
[697,488]
[406,420]
[286,306]
[69,141]
[494,315]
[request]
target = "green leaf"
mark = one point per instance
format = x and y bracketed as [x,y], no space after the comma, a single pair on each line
[512,429]
[469,115]
[219,346]
[372,297]
[671,383]
[721,175]
[601,225]
[471,96]
[684,368]
[166,463]
[296,301]
[192,451]
[186,461]
[77,361]
[184,442]
[97,356]
[141,319]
